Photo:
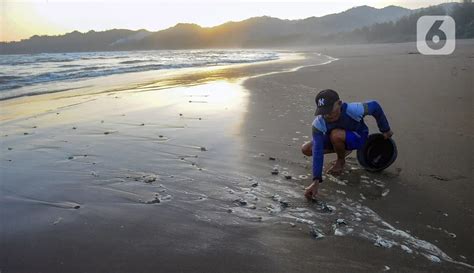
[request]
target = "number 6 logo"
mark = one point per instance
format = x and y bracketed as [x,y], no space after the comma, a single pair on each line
[435,35]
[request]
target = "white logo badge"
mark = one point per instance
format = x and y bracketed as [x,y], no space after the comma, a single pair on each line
[321,102]
[435,35]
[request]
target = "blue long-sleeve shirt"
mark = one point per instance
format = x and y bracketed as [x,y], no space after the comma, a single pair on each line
[352,119]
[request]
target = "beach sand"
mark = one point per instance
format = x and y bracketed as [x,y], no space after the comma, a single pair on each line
[175,175]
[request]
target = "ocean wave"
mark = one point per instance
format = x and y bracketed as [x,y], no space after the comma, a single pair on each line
[134,61]
[5,79]
[49,68]
[70,65]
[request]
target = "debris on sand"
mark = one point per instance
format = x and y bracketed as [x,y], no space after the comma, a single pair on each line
[276,198]
[406,249]
[272,158]
[149,179]
[57,221]
[315,233]
[381,242]
[155,200]
[242,202]
[327,209]
[203,149]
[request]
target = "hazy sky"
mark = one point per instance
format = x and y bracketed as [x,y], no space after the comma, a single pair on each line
[20,19]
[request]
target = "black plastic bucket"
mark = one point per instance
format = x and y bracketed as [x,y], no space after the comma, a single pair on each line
[377,153]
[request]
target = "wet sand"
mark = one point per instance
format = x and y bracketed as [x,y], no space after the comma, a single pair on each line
[176,175]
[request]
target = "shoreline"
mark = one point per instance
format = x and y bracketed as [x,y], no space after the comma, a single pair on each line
[131,80]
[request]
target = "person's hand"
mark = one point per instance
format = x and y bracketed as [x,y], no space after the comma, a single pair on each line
[388,134]
[312,190]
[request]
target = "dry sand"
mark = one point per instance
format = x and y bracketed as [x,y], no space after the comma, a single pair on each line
[175,175]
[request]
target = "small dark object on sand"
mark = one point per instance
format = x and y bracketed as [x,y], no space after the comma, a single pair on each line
[229,211]
[77,207]
[315,234]
[154,201]
[439,177]
[71,157]
[255,184]
[160,136]
[341,222]
[203,149]
[271,158]
[325,208]
[25,134]
[74,128]
[106,133]
[241,202]
[288,177]
[180,114]
[149,179]
[10,148]
[284,204]
[143,124]
[275,171]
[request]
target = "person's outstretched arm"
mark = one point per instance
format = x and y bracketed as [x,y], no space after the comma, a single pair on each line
[318,157]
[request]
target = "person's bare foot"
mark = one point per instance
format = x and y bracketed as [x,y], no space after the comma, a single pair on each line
[337,167]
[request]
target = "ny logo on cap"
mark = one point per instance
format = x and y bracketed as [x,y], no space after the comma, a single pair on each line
[321,102]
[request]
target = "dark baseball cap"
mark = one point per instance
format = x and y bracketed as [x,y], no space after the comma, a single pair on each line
[325,101]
